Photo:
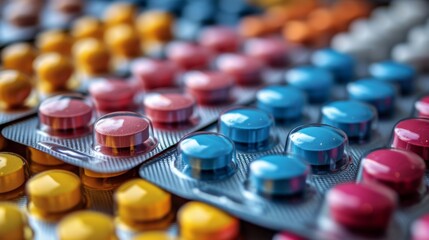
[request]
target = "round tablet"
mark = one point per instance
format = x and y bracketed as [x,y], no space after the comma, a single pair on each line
[316,82]
[69,7]
[119,13]
[412,135]
[420,228]
[123,41]
[155,26]
[86,225]
[54,71]
[13,222]
[201,221]
[121,130]
[422,107]
[15,87]
[401,170]
[355,118]
[19,57]
[112,95]
[341,65]
[206,151]
[245,70]
[92,56]
[278,175]
[209,87]
[87,27]
[65,112]
[54,41]
[140,201]
[283,102]
[363,207]
[12,172]
[154,73]
[400,74]
[188,55]
[54,191]
[271,51]
[22,14]
[220,39]
[169,107]
[155,235]
[377,93]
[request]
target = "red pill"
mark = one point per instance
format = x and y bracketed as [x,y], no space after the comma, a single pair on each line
[422,107]
[169,107]
[155,73]
[188,55]
[363,207]
[209,87]
[220,39]
[413,135]
[112,95]
[271,51]
[121,130]
[401,170]
[420,228]
[245,70]
[65,112]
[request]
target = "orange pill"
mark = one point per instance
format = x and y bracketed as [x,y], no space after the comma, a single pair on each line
[87,27]
[91,56]
[123,41]
[15,87]
[252,26]
[19,56]
[119,13]
[322,20]
[53,71]
[54,41]
[155,26]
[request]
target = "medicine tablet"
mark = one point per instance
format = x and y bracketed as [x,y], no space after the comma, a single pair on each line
[54,41]
[92,56]
[54,72]
[246,71]
[112,94]
[400,74]
[12,172]
[87,27]
[154,235]
[13,223]
[155,26]
[220,39]
[271,51]
[341,65]
[154,73]
[422,107]
[123,41]
[19,57]
[15,88]
[419,228]
[119,13]
[188,55]
[169,107]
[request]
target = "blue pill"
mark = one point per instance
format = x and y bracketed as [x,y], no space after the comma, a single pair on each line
[380,94]
[400,74]
[283,102]
[353,117]
[341,65]
[206,151]
[278,175]
[316,82]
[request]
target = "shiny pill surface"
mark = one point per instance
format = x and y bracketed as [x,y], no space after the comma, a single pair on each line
[169,107]
[396,73]
[12,172]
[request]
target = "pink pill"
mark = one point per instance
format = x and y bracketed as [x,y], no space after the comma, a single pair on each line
[155,73]
[220,39]
[363,207]
[209,87]
[112,95]
[245,70]
[169,107]
[413,135]
[401,170]
[271,51]
[420,228]
[189,55]
[121,130]
[422,107]
[65,113]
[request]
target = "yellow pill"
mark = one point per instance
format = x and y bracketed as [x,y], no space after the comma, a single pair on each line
[92,56]
[119,13]
[13,223]
[15,87]
[53,71]
[12,172]
[139,200]
[54,191]
[19,56]
[43,158]
[86,225]
[123,41]
[154,235]
[54,41]
[87,27]
[199,221]
[155,26]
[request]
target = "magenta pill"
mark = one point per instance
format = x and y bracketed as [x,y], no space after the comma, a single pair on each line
[112,95]
[169,107]
[209,87]
[154,73]
[245,70]
[420,228]
[188,55]
[400,170]
[422,107]
[272,51]
[65,112]
[220,39]
[413,135]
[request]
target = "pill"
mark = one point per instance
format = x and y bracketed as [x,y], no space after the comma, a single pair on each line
[252,26]
[271,51]
[65,112]
[119,13]
[209,87]
[278,175]
[188,55]
[19,57]
[201,221]
[362,207]
[122,130]
[123,41]
[422,107]
[13,222]
[92,56]
[220,39]
[22,14]
[341,65]
[419,228]
[412,135]
[86,225]
[396,73]
[12,171]
[245,70]
[140,201]
[169,107]
[69,7]
[300,33]
[15,88]
[87,27]
[154,235]
[283,102]
[112,94]
[400,170]
[53,71]
[155,26]
[379,94]
[314,81]
[42,158]
[54,191]
[54,41]
[154,73]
